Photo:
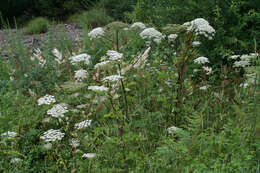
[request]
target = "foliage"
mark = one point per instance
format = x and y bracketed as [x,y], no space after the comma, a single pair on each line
[37,26]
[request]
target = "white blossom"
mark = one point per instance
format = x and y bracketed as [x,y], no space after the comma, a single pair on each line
[138,25]
[207,69]
[9,135]
[234,56]
[114,55]
[88,155]
[96,33]
[244,85]
[16,160]
[47,99]
[81,74]
[201,27]
[112,78]
[102,65]
[172,129]
[75,142]
[204,87]
[196,43]
[152,34]
[172,37]
[83,124]
[47,146]
[201,60]
[98,88]
[58,55]
[58,111]
[52,135]
[241,63]
[85,58]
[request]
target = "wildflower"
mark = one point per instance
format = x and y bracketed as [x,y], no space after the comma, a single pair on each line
[114,55]
[244,85]
[172,37]
[234,56]
[241,63]
[102,65]
[201,27]
[152,34]
[9,135]
[80,74]
[74,142]
[81,106]
[47,99]
[204,87]
[207,69]
[138,25]
[83,124]
[52,135]
[16,160]
[96,33]
[172,129]
[201,60]
[112,78]
[58,111]
[98,88]
[88,155]
[85,58]
[58,55]
[196,43]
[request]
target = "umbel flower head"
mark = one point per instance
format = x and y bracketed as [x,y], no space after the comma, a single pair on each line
[112,78]
[152,34]
[58,111]
[201,27]
[98,88]
[47,99]
[201,60]
[81,74]
[85,58]
[58,55]
[52,135]
[96,33]
[83,124]
[114,55]
[138,25]
[9,135]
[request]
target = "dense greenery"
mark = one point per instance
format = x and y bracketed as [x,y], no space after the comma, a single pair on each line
[157,96]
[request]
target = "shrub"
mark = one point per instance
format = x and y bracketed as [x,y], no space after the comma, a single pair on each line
[37,26]
[94,18]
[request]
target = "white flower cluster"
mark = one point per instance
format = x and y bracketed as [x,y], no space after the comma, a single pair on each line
[74,142]
[85,58]
[201,60]
[38,55]
[207,69]
[114,55]
[204,88]
[201,27]
[152,34]
[58,111]
[98,88]
[244,59]
[15,160]
[52,135]
[196,43]
[102,65]
[138,25]
[172,37]
[82,124]
[112,78]
[251,79]
[88,155]
[58,55]
[9,135]
[47,99]
[81,74]
[96,33]
[172,129]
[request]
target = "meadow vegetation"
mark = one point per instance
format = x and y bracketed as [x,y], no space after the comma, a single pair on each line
[151,95]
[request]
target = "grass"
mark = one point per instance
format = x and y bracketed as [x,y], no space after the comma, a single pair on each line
[212,130]
[37,26]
